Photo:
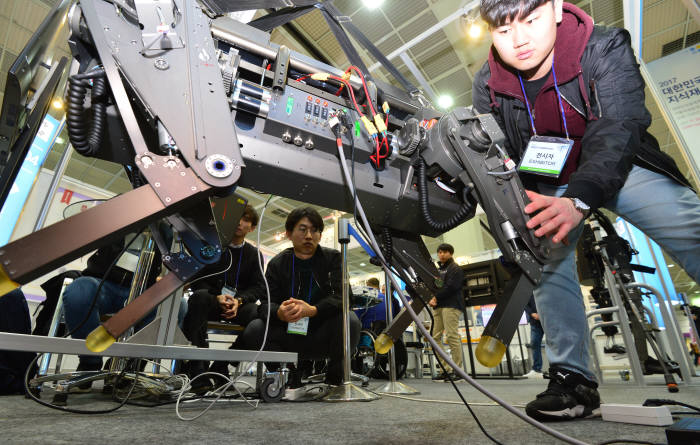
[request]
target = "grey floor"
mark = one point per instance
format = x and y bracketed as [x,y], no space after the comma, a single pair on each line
[386,421]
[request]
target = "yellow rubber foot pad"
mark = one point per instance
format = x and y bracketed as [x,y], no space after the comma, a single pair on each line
[383,344]
[6,284]
[490,351]
[99,340]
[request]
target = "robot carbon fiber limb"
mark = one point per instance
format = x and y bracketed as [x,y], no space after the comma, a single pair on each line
[194,106]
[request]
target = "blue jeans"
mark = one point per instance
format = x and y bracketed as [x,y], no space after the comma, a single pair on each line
[536,334]
[666,211]
[77,299]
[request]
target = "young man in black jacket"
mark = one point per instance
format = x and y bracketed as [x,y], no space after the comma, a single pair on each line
[305,297]
[230,293]
[552,74]
[448,305]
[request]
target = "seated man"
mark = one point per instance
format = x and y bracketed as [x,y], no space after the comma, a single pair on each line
[374,317]
[230,294]
[83,307]
[305,292]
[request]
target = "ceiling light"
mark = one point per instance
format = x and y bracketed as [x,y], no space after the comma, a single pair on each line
[57,103]
[445,102]
[363,264]
[372,4]
[475,30]
[671,265]
[60,140]
[278,236]
[471,24]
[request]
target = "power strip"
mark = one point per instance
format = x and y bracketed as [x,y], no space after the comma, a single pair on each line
[637,414]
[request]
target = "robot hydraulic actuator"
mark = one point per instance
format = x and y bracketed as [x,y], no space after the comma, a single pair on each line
[194,104]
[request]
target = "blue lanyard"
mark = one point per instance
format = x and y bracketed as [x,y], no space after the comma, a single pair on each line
[561,106]
[238,272]
[311,281]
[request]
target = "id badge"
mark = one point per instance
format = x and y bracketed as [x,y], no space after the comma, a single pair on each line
[299,327]
[546,155]
[228,291]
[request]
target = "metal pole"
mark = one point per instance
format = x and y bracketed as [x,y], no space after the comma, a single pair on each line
[58,174]
[346,313]
[347,392]
[393,387]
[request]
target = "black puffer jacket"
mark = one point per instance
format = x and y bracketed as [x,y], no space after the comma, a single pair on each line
[607,89]
[326,269]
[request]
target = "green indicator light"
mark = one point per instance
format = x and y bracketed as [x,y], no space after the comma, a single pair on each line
[357,129]
[290,104]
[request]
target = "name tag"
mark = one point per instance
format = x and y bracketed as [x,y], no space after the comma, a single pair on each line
[229,291]
[300,327]
[546,155]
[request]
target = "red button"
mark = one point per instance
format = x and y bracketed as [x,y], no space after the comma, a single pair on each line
[309,98]
[325,104]
[318,101]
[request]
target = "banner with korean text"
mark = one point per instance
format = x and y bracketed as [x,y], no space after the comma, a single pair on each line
[677,80]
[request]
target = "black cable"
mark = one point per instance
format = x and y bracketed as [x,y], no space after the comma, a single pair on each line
[387,244]
[99,286]
[458,218]
[80,202]
[79,411]
[643,442]
[444,371]
[86,137]
[659,402]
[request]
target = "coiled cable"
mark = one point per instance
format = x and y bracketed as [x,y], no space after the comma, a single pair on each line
[85,136]
[458,218]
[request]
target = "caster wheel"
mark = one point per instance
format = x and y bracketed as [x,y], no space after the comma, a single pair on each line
[270,392]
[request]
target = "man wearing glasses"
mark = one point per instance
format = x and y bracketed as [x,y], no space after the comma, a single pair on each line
[305,297]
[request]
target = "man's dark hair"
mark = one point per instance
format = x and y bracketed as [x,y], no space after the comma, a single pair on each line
[446,248]
[499,12]
[297,214]
[250,214]
[374,282]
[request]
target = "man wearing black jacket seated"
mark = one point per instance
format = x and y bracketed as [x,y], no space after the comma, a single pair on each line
[230,294]
[305,297]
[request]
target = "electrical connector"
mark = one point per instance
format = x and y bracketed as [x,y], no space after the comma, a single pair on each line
[385,107]
[369,126]
[379,123]
[320,76]
[333,122]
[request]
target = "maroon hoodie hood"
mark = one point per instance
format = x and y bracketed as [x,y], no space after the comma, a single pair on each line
[572,36]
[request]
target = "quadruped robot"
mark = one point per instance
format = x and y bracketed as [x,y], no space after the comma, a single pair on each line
[194,104]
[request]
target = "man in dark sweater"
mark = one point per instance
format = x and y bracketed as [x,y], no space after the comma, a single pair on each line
[448,306]
[229,292]
[305,297]
[569,94]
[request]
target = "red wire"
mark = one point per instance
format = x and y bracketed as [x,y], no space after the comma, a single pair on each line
[350,91]
[364,85]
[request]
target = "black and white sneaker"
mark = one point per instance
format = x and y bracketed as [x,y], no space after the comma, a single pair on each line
[454,377]
[569,396]
[442,377]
